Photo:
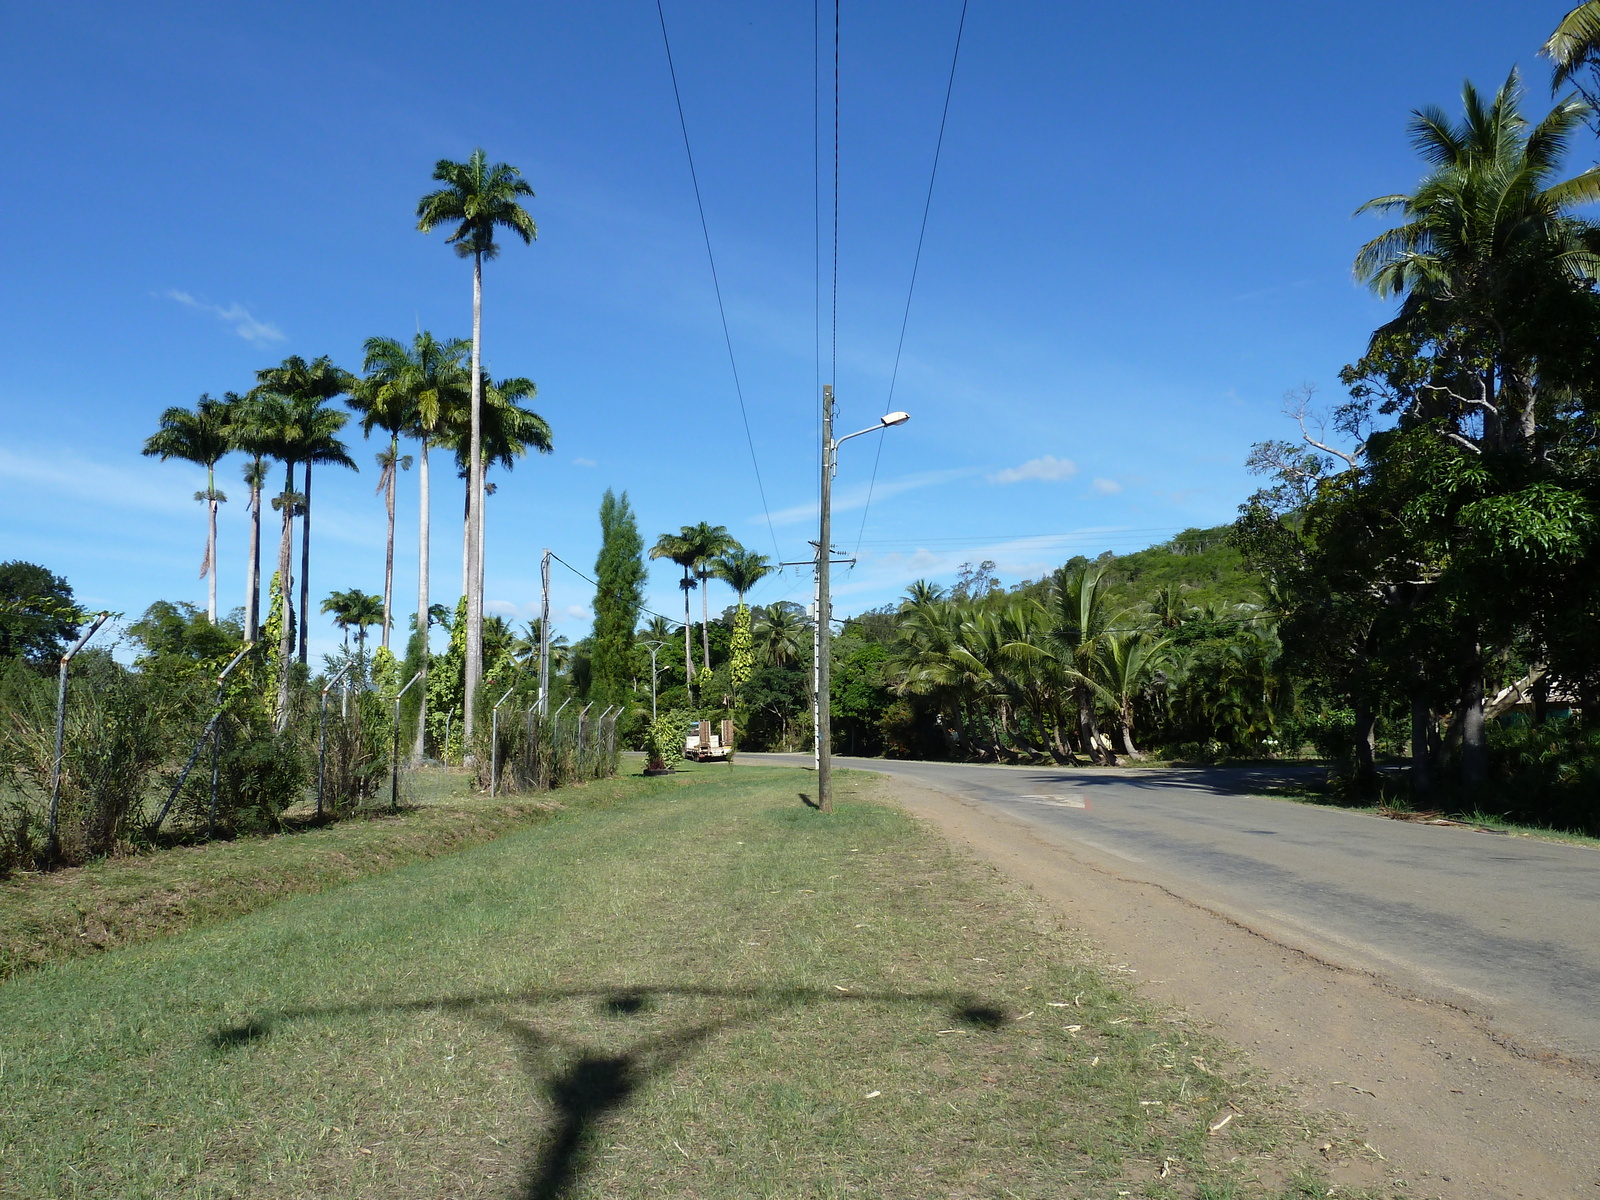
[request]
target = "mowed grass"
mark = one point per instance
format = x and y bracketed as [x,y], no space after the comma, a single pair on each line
[74,913]
[688,986]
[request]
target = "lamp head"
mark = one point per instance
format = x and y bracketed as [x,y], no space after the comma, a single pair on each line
[895,418]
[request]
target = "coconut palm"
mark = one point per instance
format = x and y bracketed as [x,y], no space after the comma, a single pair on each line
[657,629]
[478,199]
[1487,230]
[309,386]
[781,633]
[1129,663]
[686,553]
[1081,617]
[1575,45]
[199,436]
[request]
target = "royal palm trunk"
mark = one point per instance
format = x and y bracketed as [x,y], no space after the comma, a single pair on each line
[474,665]
[252,570]
[305,568]
[422,599]
[211,541]
[388,557]
[285,591]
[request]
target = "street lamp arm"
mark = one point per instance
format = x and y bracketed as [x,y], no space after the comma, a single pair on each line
[884,422]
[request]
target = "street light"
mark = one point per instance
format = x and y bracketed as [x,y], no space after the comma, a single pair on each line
[654,647]
[824,649]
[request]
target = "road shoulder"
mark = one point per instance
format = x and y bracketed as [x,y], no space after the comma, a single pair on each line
[1456,1112]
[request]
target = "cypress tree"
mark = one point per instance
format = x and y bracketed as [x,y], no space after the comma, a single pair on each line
[620,573]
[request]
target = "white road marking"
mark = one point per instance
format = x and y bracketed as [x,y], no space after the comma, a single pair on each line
[1069,800]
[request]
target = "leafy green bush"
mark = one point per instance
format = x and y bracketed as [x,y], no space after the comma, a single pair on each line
[664,743]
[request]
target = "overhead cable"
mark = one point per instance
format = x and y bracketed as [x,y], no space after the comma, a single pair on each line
[716,282]
[916,261]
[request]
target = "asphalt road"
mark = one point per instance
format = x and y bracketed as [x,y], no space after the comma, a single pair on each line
[1505,926]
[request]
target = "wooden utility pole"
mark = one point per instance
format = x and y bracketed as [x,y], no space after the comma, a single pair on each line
[825,612]
[544,635]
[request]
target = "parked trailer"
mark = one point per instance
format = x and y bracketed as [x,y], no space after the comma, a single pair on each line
[704,746]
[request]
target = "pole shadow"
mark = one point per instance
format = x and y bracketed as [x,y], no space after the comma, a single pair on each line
[588,1087]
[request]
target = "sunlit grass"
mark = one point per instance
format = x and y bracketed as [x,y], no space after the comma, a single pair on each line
[692,986]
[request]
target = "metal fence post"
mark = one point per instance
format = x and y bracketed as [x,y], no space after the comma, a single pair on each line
[394,759]
[52,844]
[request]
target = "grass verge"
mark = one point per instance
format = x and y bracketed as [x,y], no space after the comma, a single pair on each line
[687,986]
[74,913]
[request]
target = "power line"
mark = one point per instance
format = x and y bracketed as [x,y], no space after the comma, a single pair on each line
[618,594]
[716,283]
[915,262]
[816,205]
[833,371]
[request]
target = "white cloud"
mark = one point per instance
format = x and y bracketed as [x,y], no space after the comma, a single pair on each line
[1107,487]
[1048,469]
[245,325]
[583,462]
[577,612]
[86,482]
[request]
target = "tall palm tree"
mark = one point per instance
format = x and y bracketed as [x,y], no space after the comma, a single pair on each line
[338,606]
[429,379]
[245,436]
[384,402]
[362,612]
[1487,229]
[479,199]
[678,548]
[711,542]
[507,432]
[199,436]
[309,386]
[271,422]
[742,569]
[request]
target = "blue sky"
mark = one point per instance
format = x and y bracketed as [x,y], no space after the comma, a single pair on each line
[1140,239]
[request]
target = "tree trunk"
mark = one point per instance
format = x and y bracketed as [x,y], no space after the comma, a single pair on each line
[211,541]
[252,569]
[705,619]
[1086,730]
[422,601]
[388,557]
[1474,748]
[1421,748]
[688,635]
[305,570]
[482,501]
[280,720]
[1126,727]
[466,537]
[1366,774]
[474,671]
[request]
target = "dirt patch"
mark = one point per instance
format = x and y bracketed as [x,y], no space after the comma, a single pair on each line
[1454,1110]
